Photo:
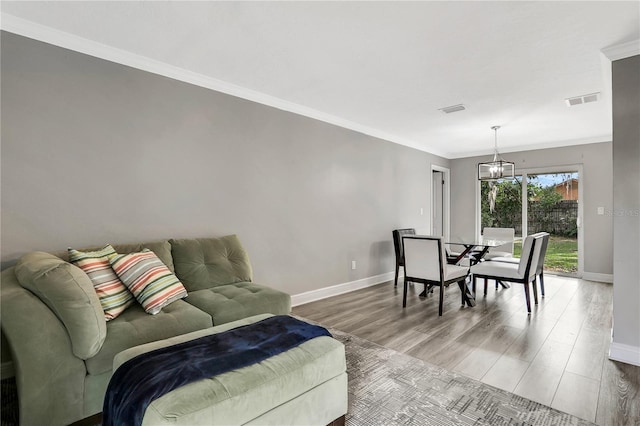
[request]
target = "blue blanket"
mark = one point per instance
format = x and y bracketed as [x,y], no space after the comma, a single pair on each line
[141,380]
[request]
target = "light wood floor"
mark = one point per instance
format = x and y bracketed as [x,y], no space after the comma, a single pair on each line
[556,356]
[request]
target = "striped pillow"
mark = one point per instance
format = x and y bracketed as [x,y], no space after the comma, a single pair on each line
[150,281]
[114,296]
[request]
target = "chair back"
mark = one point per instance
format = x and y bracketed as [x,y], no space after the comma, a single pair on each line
[424,257]
[397,241]
[507,234]
[543,250]
[530,256]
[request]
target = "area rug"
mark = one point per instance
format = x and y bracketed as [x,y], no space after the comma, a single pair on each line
[390,388]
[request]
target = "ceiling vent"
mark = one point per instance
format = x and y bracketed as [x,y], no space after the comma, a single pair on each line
[454,108]
[584,99]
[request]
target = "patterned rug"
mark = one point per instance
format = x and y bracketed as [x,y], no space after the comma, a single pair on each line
[390,388]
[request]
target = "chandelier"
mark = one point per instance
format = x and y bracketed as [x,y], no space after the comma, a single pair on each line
[498,168]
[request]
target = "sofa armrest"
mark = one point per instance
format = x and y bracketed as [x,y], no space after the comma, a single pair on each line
[50,379]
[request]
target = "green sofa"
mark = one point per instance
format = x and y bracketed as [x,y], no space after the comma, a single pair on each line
[63,348]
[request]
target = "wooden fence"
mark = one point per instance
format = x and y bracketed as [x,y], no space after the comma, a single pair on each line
[559,220]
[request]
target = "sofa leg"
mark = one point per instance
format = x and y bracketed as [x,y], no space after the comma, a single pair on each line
[96,419]
[340,421]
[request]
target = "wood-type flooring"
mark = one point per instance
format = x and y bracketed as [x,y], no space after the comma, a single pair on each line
[557,356]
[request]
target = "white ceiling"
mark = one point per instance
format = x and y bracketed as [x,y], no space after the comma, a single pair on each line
[382,68]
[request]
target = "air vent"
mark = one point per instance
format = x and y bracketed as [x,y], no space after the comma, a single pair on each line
[453,108]
[584,99]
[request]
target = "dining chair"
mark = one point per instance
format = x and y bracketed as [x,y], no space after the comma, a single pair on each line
[426,263]
[397,245]
[524,272]
[540,267]
[505,250]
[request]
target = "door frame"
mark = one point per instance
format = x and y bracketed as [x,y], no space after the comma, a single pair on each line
[446,200]
[546,170]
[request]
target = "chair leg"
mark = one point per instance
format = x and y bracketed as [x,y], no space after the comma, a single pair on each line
[441,303]
[473,286]
[527,297]
[404,294]
[486,282]
[395,284]
[535,290]
[404,271]
[542,283]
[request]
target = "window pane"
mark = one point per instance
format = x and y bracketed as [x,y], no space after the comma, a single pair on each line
[507,212]
[552,207]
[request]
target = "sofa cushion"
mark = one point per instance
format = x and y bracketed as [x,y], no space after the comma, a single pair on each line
[207,262]
[112,293]
[69,293]
[240,300]
[150,281]
[135,327]
[162,249]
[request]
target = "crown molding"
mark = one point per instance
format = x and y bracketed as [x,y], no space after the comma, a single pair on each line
[623,50]
[535,146]
[29,29]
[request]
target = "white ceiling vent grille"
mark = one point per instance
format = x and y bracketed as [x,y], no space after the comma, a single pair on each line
[583,99]
[453,108]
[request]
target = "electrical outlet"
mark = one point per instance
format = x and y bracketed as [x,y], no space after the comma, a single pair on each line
[353,264]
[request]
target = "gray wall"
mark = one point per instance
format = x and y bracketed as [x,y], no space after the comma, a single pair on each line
[596,160]
[95,152]
[626,202]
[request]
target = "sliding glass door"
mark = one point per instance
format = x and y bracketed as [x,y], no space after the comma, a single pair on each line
[506,212]
[553,208]
[539,200]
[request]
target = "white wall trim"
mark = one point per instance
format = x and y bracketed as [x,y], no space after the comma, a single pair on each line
[596,276]
[7,370]
[446,201]
[76,43]
[624,353]
[621,51]
[323,293]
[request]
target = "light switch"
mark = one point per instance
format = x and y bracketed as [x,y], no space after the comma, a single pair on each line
[600,211]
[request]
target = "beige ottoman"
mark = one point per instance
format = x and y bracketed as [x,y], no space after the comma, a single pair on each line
[306,385]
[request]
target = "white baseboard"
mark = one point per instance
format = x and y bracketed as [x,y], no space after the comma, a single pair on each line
[7,370]
[323,293]
[624,353]
[595,276]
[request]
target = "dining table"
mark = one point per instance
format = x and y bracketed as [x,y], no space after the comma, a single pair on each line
[474,250]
